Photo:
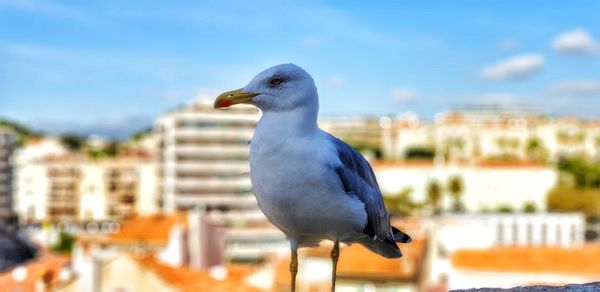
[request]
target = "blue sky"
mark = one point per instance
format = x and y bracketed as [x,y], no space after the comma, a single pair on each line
[113,66]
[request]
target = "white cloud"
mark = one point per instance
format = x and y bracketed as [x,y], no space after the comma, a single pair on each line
[403,94]
[576,42]
[515,67]
[576,88]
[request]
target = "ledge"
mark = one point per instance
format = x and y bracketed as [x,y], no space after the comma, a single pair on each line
[589,287]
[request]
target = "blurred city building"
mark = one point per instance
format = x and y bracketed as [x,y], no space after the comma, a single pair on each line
[192,238]
[507,267]
[53,184]
[172,209]
[162,235]
[508,250]
[480,231]
[470,133]
[486,185]
[7,145]
[182,251]
[363,133]
[204,164]
[204,157]
[145,273]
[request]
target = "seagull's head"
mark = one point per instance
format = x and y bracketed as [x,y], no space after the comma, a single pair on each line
[280,88]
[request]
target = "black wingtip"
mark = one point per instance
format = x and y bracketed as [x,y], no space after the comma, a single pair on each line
[400,236]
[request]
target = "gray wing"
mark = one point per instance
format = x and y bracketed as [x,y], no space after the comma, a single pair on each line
[357,177]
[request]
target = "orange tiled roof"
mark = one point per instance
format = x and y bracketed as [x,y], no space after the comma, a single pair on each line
[583,260]
[186,279]
[153,229]
[516,163]
[48,265]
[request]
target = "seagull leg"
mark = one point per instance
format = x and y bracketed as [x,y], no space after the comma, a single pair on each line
[294,265]
[335,254]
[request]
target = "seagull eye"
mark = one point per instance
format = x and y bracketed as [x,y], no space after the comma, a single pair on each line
[276,80]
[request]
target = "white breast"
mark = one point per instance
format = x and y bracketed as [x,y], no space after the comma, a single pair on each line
[297,191]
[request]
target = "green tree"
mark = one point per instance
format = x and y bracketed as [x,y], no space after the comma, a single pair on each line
[535,149]
[23,133]
[141,134]
[420,153]
[584,172]
[586,200]
[434,196]
[529,207]
[400,203]
[65,243]
[567,137]
[505,209]
[73,142]
[456,189]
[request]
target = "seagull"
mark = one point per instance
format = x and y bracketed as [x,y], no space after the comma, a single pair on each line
[308,183]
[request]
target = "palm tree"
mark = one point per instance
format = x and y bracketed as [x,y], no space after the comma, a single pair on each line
[401,203]
[535,149]
[456,188]
[434,196]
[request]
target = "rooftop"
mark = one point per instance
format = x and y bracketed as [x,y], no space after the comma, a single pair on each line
[186,279]
[150,229]
[555,260]
[46,267]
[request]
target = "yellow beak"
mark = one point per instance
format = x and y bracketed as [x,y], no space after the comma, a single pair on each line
[230,98]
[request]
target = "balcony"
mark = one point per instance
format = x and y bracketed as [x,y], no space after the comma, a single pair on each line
[212,132]
[244,201]
[233,183]
[210,166]
[213,149]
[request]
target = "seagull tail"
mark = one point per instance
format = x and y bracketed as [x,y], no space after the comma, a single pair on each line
[386,248]
[400,236]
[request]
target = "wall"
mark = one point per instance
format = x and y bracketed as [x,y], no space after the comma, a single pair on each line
[484,187]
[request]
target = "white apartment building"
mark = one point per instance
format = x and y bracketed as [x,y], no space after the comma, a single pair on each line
[485,187]
[510,250]
[204,157]
[361,132]
[204,164]
[7,143]
[482,231]
[55,186]
[472,133]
